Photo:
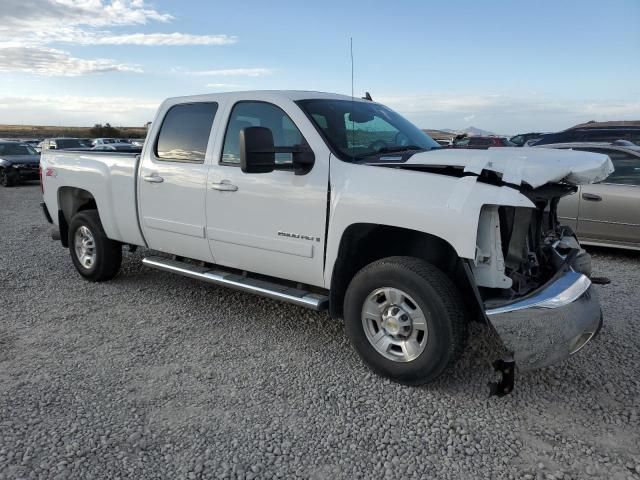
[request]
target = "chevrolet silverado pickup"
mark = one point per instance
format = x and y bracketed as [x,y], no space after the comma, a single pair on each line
[340,204]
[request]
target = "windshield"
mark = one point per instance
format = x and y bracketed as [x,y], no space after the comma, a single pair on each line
[16,149]
[357,130]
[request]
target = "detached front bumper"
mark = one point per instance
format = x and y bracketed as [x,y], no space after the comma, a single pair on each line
[551,323]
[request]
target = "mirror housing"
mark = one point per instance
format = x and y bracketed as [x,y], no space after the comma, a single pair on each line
[257,152]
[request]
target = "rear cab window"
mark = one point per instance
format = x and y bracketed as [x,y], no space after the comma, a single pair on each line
[184,133]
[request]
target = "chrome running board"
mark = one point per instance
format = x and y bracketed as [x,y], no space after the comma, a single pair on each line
[222,278]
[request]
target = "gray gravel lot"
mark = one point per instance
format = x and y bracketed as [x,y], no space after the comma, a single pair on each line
[157,376]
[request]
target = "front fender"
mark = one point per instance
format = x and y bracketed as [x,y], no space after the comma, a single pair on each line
[440,205]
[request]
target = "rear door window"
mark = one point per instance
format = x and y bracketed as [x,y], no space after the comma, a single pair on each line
[185,131]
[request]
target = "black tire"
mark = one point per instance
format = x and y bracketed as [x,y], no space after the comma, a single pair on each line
[108,253]
[6,180]
[440,302]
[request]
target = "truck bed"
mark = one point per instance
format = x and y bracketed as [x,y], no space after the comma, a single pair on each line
[110,177]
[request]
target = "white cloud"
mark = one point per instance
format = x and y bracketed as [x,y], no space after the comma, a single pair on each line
[468,118]
[33,15]
[35,25]
[155,39]
[76,110]
[54,62]
[235,72]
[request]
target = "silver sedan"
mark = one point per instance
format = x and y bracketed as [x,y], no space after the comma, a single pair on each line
[606,213]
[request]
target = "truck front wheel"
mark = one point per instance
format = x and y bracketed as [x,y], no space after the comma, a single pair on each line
[96,257]
[405,318]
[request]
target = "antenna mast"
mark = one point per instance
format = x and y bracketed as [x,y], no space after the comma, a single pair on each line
[351,49]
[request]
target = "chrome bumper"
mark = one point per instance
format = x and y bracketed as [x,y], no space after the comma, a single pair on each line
[550,324]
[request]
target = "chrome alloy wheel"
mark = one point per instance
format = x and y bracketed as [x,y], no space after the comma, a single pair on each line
[85,247]
[394,324]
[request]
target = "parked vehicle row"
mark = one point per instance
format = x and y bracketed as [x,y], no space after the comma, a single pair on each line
[405,240]
[102,144]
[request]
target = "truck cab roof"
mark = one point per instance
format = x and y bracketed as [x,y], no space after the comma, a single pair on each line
[293,95]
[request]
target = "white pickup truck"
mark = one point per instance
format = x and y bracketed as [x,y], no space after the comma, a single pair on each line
[331,202]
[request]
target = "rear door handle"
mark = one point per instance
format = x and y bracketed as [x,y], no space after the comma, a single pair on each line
[153,178]
[224,186]
[592,197]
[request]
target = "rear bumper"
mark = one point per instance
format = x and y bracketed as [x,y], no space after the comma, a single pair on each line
[550,324]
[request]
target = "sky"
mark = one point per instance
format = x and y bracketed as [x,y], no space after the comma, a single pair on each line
[508,66]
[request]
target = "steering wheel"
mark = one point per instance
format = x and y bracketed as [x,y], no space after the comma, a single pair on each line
[377,145]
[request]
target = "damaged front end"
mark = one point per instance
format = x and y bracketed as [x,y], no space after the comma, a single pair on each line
[533,279]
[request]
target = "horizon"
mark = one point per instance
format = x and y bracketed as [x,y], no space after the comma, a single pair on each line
[496,67]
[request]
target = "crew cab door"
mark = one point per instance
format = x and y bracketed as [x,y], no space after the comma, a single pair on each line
[609,210]
[269,223]
[172,181]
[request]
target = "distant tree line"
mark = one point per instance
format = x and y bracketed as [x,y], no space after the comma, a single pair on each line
[106,130]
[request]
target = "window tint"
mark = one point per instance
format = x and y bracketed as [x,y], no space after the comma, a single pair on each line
[184,133]
[260,114]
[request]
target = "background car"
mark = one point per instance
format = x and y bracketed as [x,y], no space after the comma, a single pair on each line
[65,143]
[594,133]
[482,143]
[104,141]
[522,138]
[34,142]
[118,147]
[606,213]
[18,162]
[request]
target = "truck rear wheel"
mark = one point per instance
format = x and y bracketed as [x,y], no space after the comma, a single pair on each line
[96,257]
[405,318]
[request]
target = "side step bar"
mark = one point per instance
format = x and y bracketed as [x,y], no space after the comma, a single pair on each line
[219,277]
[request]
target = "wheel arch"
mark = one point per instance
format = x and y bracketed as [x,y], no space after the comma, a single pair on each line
[364,243]
[72,200]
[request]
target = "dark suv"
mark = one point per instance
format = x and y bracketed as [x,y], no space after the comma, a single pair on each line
[593,134]
[482,143]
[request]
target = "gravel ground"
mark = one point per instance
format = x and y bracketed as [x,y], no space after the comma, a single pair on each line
[158,376]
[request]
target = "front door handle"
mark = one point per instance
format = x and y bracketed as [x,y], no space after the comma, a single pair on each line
[224,186]
[153,179]
[592,197]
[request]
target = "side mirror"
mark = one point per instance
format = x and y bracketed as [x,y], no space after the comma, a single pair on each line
[257,152]
[52,147]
